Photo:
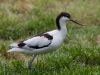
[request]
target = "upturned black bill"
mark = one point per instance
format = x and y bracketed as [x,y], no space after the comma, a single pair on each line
[76,22]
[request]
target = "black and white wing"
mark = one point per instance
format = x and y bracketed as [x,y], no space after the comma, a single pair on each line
[37,42]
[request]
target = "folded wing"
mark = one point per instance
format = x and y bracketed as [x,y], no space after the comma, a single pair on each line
[37,42]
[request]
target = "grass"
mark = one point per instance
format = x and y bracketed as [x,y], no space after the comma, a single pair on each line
[80,52]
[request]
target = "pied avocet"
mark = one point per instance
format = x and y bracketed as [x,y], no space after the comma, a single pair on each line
[46,42]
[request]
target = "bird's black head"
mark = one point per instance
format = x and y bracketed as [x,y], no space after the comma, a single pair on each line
[64,16]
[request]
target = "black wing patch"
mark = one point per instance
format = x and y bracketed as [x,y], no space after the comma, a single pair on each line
[37,47]
[46,35]
[49,37]
[21,44]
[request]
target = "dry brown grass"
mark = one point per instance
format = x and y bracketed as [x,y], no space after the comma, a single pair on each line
[17,56]
[11,7]
[85,10]
[98,39]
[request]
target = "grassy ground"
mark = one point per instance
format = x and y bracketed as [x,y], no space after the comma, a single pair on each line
[79,54]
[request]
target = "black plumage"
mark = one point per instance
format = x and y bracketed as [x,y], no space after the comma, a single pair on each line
[21,44]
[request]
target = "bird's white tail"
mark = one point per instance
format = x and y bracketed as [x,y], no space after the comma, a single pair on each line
[16,50]
[20,50]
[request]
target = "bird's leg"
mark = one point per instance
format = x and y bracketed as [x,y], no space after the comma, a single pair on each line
[30,62]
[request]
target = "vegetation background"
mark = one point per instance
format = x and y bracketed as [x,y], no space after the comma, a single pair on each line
[79,54]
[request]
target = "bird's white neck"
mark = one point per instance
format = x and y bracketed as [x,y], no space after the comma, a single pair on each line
[63,28]
[62,25]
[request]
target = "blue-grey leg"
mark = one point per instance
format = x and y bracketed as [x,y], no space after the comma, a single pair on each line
[30,62]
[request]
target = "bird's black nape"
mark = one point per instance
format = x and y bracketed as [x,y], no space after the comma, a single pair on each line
[62,14]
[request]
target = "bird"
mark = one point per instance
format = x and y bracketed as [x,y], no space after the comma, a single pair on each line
[45,42]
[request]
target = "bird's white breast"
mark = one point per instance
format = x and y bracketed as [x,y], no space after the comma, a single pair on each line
[58,38]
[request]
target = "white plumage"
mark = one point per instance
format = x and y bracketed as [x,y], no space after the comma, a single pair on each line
[58,37]
[46,42]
